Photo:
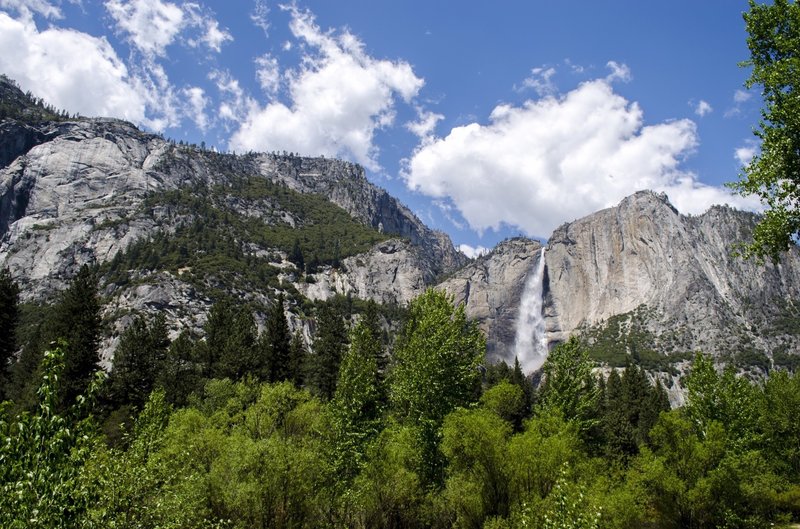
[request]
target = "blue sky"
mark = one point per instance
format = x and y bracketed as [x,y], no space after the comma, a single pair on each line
[487,119]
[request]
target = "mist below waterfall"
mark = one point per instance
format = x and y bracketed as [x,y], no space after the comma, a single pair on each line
[530,345]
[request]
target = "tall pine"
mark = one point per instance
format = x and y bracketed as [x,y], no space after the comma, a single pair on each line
[76,319]
[138,360]
[329,346]
[9,318]
[276,343]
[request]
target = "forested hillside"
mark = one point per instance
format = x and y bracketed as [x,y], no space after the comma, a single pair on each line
[241,431]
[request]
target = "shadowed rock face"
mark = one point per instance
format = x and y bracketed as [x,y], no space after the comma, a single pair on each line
[675,272]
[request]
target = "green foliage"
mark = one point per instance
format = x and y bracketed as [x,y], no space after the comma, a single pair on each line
[9,319]
[779,420]
[329,345]
[570,508]
[774,173]
[298,356]
[568,386]
[230,349]
[138,360]
[475,444]
[42,455]
[76,319]
[722,398]
[356,407]
[275,344]
[436,370]
[507,401]
[629,407]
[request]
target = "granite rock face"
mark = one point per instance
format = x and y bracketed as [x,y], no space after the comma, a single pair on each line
[642,264]
[81,191]
[491,289]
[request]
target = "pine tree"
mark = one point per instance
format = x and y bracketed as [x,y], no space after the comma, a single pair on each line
[230,348]
[9,318]
[138,360]
[372,319]
[182,371]
[76,319]
[329,346]
[277,343]
[297,359]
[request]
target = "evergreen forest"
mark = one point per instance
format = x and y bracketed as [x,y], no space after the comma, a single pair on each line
[391,419]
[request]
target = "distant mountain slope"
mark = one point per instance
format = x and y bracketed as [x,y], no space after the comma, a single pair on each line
[174,225]
[641,279]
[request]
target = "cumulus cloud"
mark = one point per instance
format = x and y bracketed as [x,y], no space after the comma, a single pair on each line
[745,153]
[702,108]
[337,99]
[235,105]
[152,25]
[70,70]
[619,72]
[740,97]
[552,160]
[472,251]
[26,8]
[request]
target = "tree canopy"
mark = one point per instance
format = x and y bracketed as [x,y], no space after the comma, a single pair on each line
[774,174]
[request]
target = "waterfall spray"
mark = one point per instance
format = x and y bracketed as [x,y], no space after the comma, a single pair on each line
[530,345]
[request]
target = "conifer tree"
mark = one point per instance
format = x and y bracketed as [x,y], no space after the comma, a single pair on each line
[9,318]
[297,359]
[76,319]
[329,346]
[182,372]
[138,360]
[276,342]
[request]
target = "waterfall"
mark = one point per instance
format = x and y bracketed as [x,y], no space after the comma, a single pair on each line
[530,345]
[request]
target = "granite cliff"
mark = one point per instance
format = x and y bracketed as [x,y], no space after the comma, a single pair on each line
[641,279]
[172,226]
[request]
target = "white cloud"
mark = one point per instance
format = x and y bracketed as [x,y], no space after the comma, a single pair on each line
[338,98]
[151,25]
[545,162]
[619,72]
[70,70]
[472,251]
[26,8]
[541,82]
[196,103]
[425,125]
[740,96]
[268,73]
[210,33]
[745,153]
[702,108]
[235,105]
[260,16]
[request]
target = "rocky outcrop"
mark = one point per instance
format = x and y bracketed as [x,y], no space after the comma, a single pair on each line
[393,272]
[674,278]
[491,288]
